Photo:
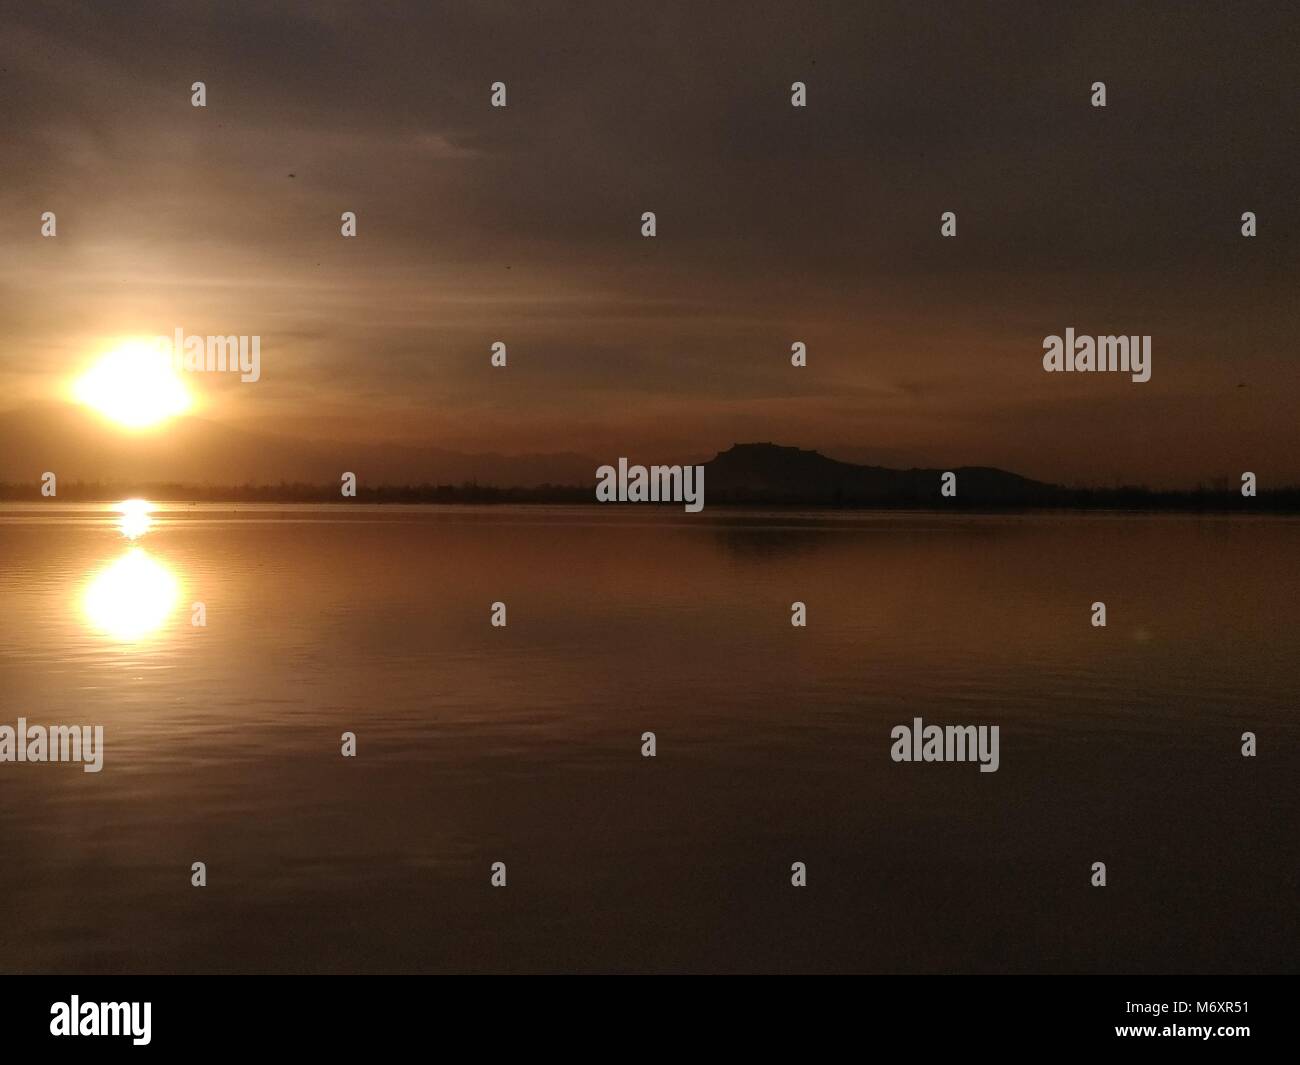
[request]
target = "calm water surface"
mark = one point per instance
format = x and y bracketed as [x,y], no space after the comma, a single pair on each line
[479,744]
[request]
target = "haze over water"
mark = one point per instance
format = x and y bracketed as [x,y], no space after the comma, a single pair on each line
[479,744]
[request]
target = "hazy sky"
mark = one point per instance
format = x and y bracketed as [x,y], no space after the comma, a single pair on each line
[776,224]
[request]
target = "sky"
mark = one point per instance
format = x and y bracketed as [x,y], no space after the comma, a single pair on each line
[775,224]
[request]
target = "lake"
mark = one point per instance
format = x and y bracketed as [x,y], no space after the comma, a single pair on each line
[522,744]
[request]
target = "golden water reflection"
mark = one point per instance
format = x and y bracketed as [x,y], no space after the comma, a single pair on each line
[135,518]
[132,597]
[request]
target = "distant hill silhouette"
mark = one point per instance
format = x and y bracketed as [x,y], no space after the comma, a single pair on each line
[770,473]
[263,469]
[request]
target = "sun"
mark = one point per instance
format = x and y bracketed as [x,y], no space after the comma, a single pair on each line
[134,385]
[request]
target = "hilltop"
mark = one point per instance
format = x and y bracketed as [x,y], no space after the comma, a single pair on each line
[771,473]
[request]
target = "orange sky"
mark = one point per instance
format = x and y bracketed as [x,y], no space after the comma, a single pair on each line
[775,225]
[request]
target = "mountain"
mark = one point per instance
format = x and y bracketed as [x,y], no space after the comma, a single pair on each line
[198,459]
[193,451]
[770,473]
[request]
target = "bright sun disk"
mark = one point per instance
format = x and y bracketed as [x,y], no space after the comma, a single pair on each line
[134,385]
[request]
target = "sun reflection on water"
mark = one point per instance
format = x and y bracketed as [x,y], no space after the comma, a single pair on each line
[132,597]
[135,518]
